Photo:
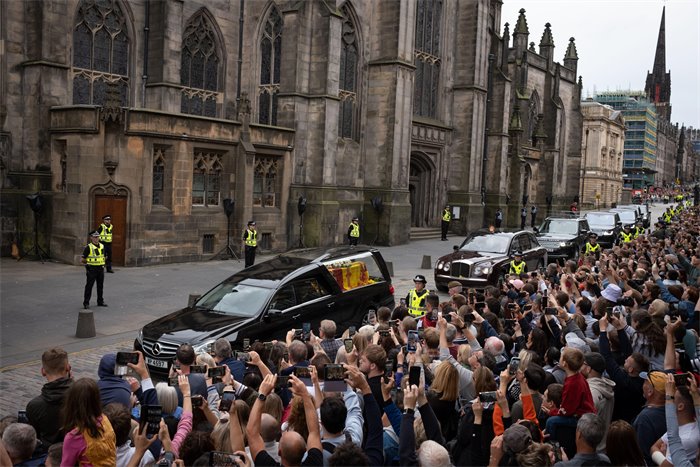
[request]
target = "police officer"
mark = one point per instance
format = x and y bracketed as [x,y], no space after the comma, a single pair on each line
[639,229]
[517,265]
[626,236]
[105,230]
[354,231]
[94,260]
[523,217]
[592,247]
[445,224]
[533,213]
[499,218]
[250,238]
[417,296]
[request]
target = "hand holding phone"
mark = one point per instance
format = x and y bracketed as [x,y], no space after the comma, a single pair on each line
[414,376]
[150,417]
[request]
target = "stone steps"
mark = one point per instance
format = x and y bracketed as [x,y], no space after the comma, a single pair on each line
[425,233]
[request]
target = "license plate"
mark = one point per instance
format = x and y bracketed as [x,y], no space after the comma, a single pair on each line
[550,249]
[157,363]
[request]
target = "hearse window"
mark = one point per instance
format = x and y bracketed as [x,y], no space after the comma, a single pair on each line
[310,289]
[284,298]
[524,242]
[355,271]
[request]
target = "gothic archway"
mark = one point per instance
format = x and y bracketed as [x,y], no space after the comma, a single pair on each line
[422,190]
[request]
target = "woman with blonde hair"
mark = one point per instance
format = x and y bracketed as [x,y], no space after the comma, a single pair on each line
[442,397]
[273,406]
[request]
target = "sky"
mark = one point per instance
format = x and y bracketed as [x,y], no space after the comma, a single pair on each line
[616,42]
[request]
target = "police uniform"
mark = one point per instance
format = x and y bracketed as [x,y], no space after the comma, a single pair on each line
[638,230]
[523,218]
[354,231]
[250,239]
[626,237]
[592,249]
[415,300]
[499,218]
[445,224]
[94,260]
[106,239]
[517,267]
[533,213]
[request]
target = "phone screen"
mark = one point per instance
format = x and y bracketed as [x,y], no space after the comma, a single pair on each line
[334,378]
[413,338]
[150,416]
[550,311]
[513,365]
[198,368]
[22,417]
[224,459]
[681,379]
[302,372]
[226,401]
[127,357]
[306,331]
[246,342]
[282,382]
[414,376]
[488,396]
[352,330]
[348,345]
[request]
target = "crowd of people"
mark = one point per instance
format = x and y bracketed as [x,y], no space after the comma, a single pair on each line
[590,362]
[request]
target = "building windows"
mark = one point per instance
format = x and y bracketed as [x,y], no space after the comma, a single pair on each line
[347,119]
[266,182]
[427,57]
[206,178]
[199,68]
[270,61]
[100,52]
[158,196]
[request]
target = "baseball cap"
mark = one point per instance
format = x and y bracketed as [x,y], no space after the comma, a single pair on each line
[516,439]
[656,378]
[454,284]
[595,360]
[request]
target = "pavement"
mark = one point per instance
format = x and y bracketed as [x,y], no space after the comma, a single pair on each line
[40,303]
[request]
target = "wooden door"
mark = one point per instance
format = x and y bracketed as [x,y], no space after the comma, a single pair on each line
[116,207]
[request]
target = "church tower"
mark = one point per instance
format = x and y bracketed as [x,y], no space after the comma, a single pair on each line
[658,86]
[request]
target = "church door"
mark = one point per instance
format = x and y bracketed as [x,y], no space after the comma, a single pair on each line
[116,207]
[421,190]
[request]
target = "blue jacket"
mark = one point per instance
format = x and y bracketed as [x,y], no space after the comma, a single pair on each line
[112,388]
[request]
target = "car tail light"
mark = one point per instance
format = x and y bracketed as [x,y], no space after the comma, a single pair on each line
[391,289]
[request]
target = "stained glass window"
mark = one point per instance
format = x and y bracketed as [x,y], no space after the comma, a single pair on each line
[100,52]
[270,62]
[347,84]
[199,68]
[533,110]
[158,177]
[266,183]
[427,57]
[206,178]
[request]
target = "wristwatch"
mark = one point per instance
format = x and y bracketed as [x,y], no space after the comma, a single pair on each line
[669,398]
[409,411]
[262,397]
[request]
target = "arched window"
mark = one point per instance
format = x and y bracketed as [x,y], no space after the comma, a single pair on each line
[100,52]
[158,176]
[427,57]
[533,111]
[347,86]
[266,182]
[206,178]
[270,60]
[200,68]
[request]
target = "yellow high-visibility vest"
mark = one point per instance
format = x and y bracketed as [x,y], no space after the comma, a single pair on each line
[414,302]
[252,238]
[106,233]
[446,215]
[96,256]
[355,230]
[517,268]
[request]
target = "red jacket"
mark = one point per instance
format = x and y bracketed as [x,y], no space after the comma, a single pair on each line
[576,399]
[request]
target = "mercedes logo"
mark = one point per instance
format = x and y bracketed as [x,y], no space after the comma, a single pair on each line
[156,348]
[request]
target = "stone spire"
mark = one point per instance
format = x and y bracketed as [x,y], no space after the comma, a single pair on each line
[571,56]
[658,84]
[505,46]
[547,44]
[520,34]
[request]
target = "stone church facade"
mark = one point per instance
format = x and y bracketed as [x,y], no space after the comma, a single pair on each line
[158,111]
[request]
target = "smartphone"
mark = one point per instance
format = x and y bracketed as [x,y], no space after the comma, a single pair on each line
[352,330]
[478,306]
[681,379]
[448,317]
[487,396]
[550,311]
[513,365]
[267,346]
[402,301]
[172,381]
[608,312]
[246,343]
[421,334]
[384,333]
[511,306]
[226,401]
[224,459]
[510,323]
[388,368]
[210,350]
[306,331]
[557,450]
[282,382]
[334,378]
[348,345]
[216,373]
[127,357]
[372,317]
[302,372]
[22,417]
[472,296]
[243,356]
[527,307]
[198,368]
[150,417]
[197,400]
[413,339]
[414,376]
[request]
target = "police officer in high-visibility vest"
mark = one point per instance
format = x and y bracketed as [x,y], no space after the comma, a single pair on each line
[105,230]
[626,236]
[445,224]
[94,260]
[592,247]
[417,296]
[517,265]
[639,229]
[667,216]
[250,239]
[354,232]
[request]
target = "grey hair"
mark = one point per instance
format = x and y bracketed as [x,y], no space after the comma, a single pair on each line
[433,454]
[20,441]
[297,351]
[329,328]
[592,429]
[450,332]
[222,349]
[167,397]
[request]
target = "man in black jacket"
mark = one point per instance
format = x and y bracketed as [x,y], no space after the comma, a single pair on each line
[44,411]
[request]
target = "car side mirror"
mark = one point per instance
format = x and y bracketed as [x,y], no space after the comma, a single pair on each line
[271,314]
[584,232]
[455,247]
[536,230]
[192,299]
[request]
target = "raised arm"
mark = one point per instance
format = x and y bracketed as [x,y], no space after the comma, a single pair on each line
[255,440]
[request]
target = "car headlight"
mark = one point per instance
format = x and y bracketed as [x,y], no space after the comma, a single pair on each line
[203,347]
[446,266]
[438,264]
[139,336]
[482,269]
[563,244]
[608,232]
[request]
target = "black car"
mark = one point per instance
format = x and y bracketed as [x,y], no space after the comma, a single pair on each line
[606,225]
[484,256]
[563,237]
[266,300]
[643,213]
